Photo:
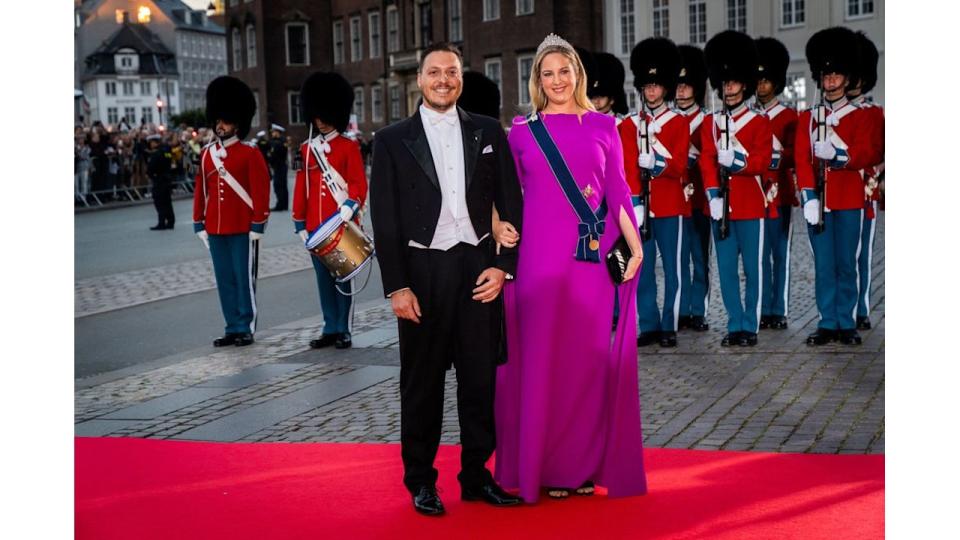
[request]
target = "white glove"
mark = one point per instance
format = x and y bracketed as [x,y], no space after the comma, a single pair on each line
[687,192]
[205,238]
[811,211]
[647,161]
[824,150]
[641,213]
[725,157]
[716,208]
[772,192]
[255,235]
[346,212]
[304,235]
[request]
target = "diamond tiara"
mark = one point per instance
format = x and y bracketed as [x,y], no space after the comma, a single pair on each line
[553,40]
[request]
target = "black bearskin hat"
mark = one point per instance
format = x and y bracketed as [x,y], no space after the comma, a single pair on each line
[328,96]
[732,56]
[480,95]
[693,71]
[774,61]
[656,60]
[610,81]
[590,66]
[833,50]
[867,69]
[229,99]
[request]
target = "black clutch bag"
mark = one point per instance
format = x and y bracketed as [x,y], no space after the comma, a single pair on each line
[617,259]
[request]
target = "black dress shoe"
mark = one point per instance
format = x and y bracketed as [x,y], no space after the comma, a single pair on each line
[863,323]
[343,341]
[244,339]
[731,339]
[778,322]
[158,227]
[683,322]
[227,339]
[648,338]
[748,339]
[491,494]
[698,323]
[325,340]
[764,322]
[427,501]
[850,337]
[822,336]
[668,339]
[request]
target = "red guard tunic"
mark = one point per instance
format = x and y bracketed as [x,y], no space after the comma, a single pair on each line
[875,122]
[753,143]
[783,124]
[312,201]
[844,180]
[217,208]
[698,200]
[670,141]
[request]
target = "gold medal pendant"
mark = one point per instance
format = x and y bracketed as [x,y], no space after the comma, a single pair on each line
[588,191]
[594,244]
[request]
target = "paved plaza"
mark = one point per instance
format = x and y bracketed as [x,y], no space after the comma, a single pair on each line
[778,396]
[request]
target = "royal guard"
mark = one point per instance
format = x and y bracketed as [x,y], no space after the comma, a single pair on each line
[695,259]
[777,183]
[480,95]
[833,145]
[736,147]
[331,181]
[607,93]
[277,159]
[656,141]
[864,81]
[231,203]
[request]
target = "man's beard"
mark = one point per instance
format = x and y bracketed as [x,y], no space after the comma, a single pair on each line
[442,106]
[226,134]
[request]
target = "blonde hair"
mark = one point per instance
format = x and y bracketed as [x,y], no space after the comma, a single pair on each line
[538,97]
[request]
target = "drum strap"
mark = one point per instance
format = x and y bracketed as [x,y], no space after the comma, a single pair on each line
[225,174]
[331,177]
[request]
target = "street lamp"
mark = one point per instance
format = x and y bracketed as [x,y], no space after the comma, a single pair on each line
[159,110]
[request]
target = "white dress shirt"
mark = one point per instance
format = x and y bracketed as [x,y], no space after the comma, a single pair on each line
[446,147]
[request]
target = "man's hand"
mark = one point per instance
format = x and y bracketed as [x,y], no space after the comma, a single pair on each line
[255,235]
[646,161]
[824,150]
[505,234]
[406,306]
[811,211]
[205,238]
[304,235]
[725,157]
[489,284]
[716,208]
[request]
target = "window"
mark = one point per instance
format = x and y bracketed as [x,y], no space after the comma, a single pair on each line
[491,10]
[293,113]
[112,117]
[356,43]
[394,102]
[255,122]
[143,14]
[631,99]
[251,46]
[859,8]
[237,50]
[358,104]
[338,42]
[426,25]
[737,15]
[524,66]
[393,29]
[698,21]
[661,18]
[456,20]
[791,13]
[126,62]
[145,88]
[121,16]
[493,69]
[298,44]
[795,90]
[373,28]
[376,102]
[130,114]
[127,88]
[524,7]
[627,35]
[110,88]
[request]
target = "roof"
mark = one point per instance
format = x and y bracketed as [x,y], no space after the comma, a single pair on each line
[155,57]
[176,10]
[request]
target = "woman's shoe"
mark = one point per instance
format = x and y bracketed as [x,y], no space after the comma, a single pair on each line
[558,492]
[585,490]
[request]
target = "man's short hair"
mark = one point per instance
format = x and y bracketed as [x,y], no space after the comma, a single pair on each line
[442,46]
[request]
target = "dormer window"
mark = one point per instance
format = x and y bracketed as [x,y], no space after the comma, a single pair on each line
[126,61]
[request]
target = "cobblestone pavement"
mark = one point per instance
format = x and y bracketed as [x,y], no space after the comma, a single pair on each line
[778,396]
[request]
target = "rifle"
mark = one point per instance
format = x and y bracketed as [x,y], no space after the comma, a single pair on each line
[724,230]
[821,167]
[645,231]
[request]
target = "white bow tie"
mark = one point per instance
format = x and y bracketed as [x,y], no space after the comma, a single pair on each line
[449,117]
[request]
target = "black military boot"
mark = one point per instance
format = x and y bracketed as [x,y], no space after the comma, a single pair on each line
[821,337]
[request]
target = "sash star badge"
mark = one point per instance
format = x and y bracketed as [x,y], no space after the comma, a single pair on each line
[588,191]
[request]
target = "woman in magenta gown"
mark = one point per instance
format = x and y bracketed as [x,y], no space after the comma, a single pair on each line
[567,400]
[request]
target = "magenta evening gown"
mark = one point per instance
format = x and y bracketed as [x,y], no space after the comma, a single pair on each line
[567,401]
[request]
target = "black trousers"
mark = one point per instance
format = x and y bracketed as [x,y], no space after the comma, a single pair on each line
[280,186]
[456,328]
[162,191]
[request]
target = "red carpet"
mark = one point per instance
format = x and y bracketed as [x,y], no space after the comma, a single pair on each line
[136,488]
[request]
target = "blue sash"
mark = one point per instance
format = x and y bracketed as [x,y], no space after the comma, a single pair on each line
[591,224]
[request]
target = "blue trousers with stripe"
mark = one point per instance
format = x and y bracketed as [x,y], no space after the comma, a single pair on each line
[745,241]
[835,253]
[335,306]
[865,262]
[776,264]
[233,269]
[667,237]
[695,263]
